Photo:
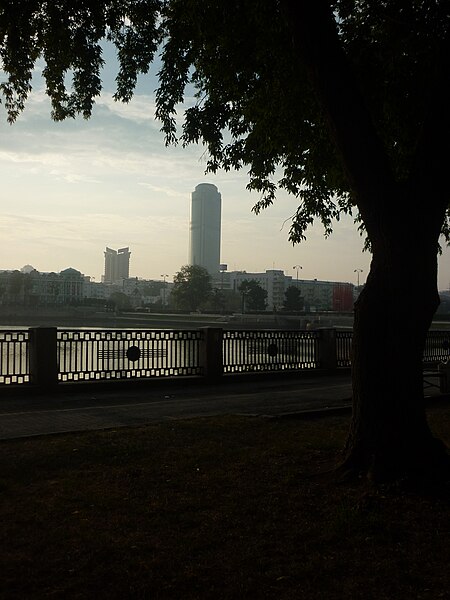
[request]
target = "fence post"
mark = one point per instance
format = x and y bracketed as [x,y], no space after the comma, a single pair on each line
[327,348]
[211,355]
[43,356]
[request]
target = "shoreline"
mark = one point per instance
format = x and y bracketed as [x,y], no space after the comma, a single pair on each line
[77,319]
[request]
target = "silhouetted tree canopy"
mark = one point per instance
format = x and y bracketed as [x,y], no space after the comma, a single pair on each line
[254,295]
[120,301]
[344,104]
[293,299]
[253,87]
[191,287]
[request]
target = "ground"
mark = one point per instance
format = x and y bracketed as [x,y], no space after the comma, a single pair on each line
[224,508]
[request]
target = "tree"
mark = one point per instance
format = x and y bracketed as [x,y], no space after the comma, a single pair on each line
[293,300]
[254,297]
[120,301]
[217,300]
[16,286]
[344,104]
[225,300]
[28,287]
[191,287]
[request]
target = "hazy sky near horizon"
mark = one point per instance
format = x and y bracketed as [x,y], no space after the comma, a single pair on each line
[70,189]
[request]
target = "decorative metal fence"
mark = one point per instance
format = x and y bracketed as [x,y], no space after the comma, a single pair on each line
[124,354]
[14,357]
[249,351]
[344,348]
[95,355]
[437,347]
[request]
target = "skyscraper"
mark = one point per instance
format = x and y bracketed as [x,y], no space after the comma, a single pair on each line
[204,228]
[117,265]
[123,263]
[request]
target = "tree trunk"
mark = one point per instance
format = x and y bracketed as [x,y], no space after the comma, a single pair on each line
[389,438]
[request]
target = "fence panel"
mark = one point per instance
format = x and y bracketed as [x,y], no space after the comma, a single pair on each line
[437,347]
[344,348]
[86,355]
[249,351]
[14,357]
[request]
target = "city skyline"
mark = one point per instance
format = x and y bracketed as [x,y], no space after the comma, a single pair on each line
[69,189]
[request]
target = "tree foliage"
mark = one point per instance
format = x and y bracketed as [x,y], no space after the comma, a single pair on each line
[293,300]
[191,287]
[254,296]
[217,300]
[120,301]
[252,88]
[67,36]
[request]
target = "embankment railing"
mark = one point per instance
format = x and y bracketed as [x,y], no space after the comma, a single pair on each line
[46,357]
[251,351]
[14,356]
[94,355]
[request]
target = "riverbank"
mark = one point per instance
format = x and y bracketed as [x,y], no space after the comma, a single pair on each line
[89,317]
[77,317]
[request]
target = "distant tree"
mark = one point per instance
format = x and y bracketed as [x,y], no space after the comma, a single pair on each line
[120,301]
[254,296]
[293,300]
[152,288]
[191,287]
[233,300]
[28,287]
[344,104]
[225,300]
[217,300]
[54,287]
[16,286]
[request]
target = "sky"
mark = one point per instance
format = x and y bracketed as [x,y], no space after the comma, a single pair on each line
[70,189]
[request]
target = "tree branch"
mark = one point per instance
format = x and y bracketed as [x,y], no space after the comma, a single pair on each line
[316,41]
[430,165]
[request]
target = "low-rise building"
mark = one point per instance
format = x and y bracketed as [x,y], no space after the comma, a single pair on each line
[317,295]
[273,281]
[32,287]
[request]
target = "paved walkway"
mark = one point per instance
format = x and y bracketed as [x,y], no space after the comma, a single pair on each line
[80,409]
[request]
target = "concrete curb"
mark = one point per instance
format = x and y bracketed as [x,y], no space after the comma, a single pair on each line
[314,414]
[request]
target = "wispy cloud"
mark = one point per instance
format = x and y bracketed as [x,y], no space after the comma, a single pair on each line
[54,243]
[141,109]
[172,193]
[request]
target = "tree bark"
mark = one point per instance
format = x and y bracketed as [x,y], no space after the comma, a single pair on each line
[389,437]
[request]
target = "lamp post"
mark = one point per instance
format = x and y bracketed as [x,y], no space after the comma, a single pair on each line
[164,288]
[357,271]
[297,267]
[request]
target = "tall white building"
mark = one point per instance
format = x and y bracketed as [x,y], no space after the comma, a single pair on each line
[204,228]
[117,265]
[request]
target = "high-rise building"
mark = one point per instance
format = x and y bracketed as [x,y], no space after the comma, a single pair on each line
[123,263]
[110,263]
[117,265]
[204,229]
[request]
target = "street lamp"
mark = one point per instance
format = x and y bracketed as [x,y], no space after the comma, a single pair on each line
[164,288]
[297,267]
[358,271]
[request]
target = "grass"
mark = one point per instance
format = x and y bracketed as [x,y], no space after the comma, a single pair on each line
[223,508]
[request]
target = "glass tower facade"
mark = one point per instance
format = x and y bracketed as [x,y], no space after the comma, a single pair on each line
[205,228]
